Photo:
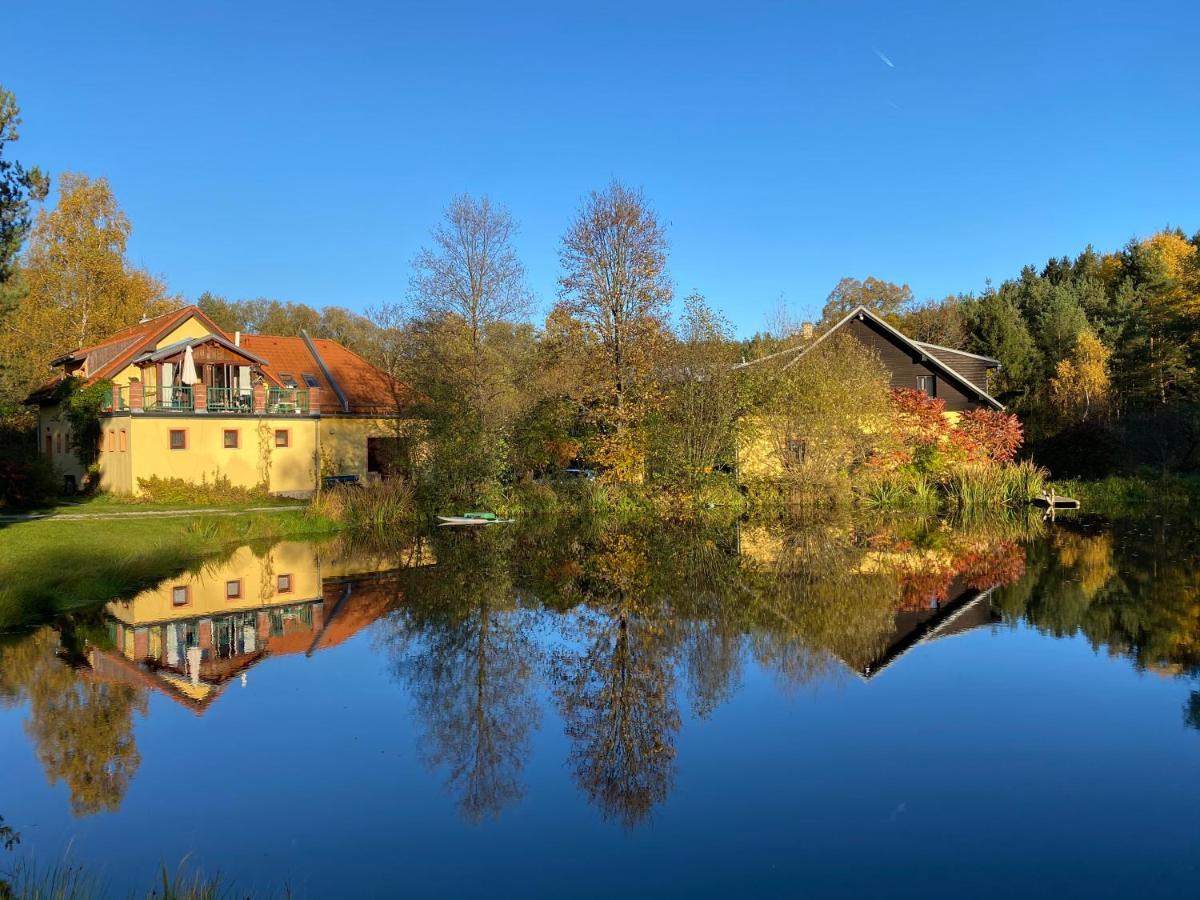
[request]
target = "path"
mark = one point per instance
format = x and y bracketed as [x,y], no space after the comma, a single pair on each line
[147,513]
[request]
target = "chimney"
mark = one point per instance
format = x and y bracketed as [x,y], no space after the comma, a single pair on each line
[806,331]
[237,339]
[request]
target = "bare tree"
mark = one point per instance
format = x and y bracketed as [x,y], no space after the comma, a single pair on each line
[614,258]
[469,280]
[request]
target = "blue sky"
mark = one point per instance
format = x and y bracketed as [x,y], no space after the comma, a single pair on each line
[302,151]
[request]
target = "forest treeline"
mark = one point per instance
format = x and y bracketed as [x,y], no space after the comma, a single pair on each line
[1099,352]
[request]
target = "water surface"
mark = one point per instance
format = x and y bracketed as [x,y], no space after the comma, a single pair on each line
[813,709]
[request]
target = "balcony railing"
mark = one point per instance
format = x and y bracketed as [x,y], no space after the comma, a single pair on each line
[285,401]
[223,399]
[119,393]
[165,396]
[271,401]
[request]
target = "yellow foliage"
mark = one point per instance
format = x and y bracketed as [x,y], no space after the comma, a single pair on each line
[80,288]
[1081,384]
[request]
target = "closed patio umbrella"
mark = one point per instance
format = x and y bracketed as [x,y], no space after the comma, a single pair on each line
[188,373]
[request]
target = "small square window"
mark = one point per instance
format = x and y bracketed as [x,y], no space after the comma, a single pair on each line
[282,437]
[233,589]
[178,439]
[179,595]
[926,384]
[283,584]
[230,439]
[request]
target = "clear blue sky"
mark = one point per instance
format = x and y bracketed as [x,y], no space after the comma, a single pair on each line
[302,151]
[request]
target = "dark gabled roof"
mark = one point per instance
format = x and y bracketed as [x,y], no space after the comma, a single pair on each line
[938,350]
[928,352]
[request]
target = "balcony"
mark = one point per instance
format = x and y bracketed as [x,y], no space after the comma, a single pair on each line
[201,399]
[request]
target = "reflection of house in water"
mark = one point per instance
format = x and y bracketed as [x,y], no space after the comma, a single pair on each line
[191,635]
[968,609]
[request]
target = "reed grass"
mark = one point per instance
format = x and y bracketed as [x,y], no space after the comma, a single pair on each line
[370,505]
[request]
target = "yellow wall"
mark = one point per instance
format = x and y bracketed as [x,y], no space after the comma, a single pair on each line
[344,441]
[62,455]
[192,328]
[287,470]
[758,458]
[207,589]
[116,464]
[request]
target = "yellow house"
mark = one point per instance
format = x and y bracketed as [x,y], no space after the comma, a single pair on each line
[192,402]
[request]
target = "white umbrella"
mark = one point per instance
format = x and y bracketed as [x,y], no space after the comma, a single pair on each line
[188,375]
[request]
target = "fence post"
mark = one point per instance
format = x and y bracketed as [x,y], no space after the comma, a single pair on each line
[260,398]
[137,397]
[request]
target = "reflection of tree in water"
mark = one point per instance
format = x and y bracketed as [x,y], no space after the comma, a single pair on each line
[82,729]
[1130,587]
[1191,711]
[616,694]
[465,650]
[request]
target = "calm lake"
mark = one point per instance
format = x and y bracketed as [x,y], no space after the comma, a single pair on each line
[787,709]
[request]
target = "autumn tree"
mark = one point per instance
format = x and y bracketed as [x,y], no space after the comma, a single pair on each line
[822,416]
[467,282]
[883,298]
[1080,386]
[80,287]
[614,280]
[693,426]
[614,283]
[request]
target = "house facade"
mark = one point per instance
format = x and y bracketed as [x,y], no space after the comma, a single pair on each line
[959,379]
[190,401]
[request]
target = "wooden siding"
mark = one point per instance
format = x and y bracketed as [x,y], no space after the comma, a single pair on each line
[972,368]
[906,365]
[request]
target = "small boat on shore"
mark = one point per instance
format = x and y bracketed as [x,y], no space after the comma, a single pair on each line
[473,518]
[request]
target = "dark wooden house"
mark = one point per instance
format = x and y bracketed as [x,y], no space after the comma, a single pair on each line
[960,379]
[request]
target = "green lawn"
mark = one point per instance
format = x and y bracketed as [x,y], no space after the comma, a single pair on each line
[49,566]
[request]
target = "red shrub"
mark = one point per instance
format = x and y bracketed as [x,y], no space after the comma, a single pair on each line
[988,435]
[919,416]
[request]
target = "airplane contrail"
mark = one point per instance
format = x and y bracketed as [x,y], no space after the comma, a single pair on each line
[884,58]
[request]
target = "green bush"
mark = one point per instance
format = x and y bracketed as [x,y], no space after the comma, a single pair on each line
[219,491]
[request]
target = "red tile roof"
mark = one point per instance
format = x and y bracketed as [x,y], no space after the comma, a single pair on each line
[367,389]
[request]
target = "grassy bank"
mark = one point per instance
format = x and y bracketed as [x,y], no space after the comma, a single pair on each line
[50,566]
[1113,494]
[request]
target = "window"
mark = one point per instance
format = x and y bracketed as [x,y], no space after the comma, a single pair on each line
[59,441]
[288,380]
[796,449]
[311,380]
[180,595]
[230,439]
[283,584]
[49,444]
[123,444]
[926,384]
[283,437]
[112,441]
[233,589]
[178,439]
[100,444]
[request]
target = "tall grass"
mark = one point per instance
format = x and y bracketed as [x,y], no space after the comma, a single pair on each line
[986,486]
[371,505]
